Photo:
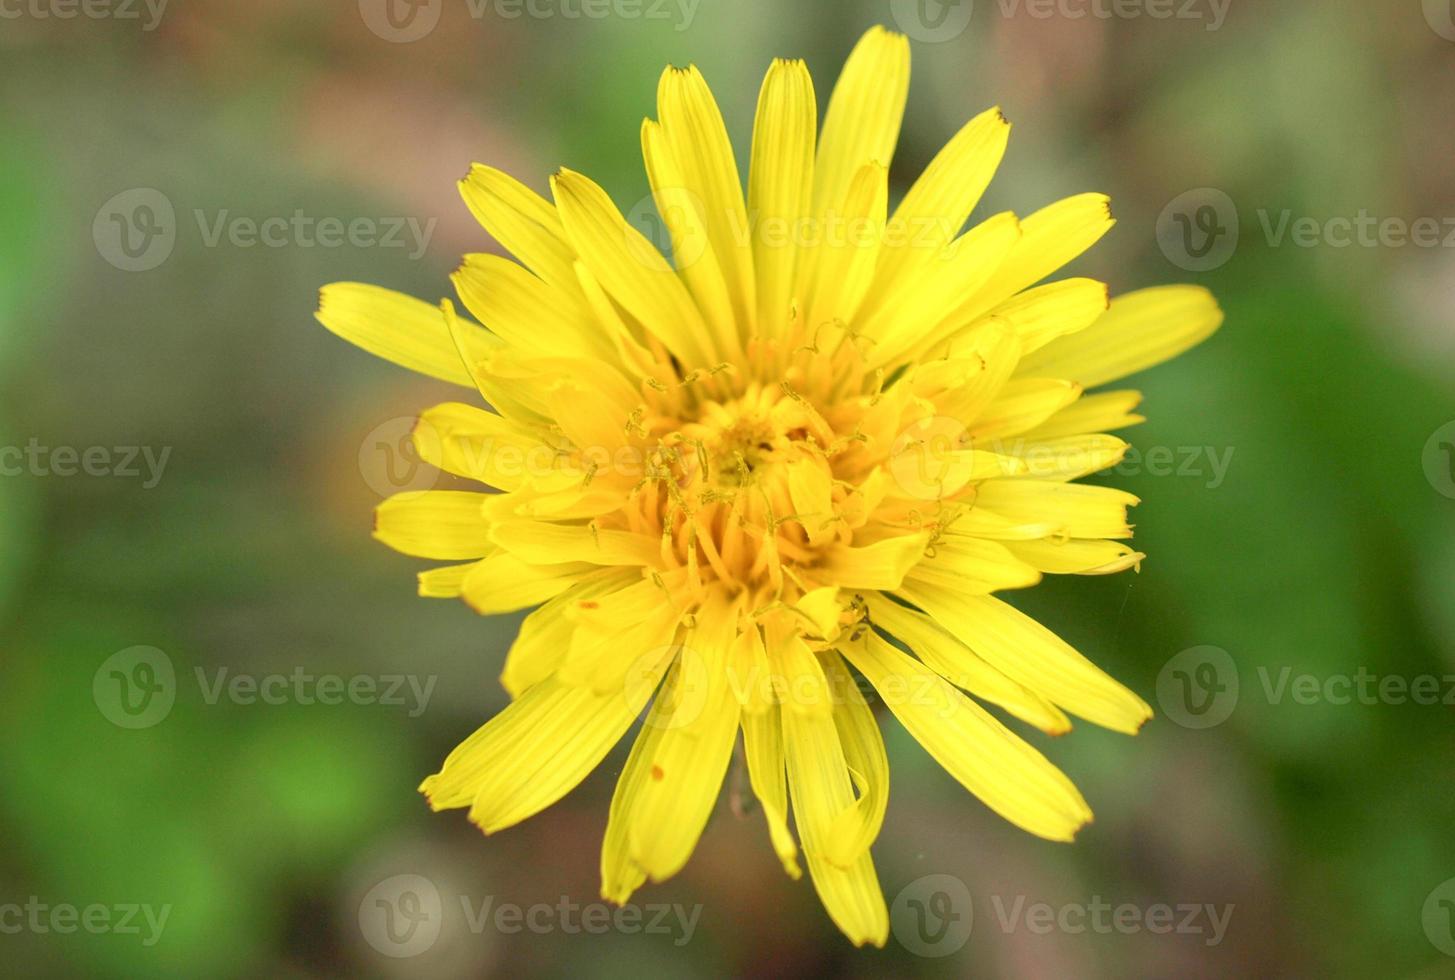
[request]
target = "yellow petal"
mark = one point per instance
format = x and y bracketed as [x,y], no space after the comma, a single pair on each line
[1027,652]
[503,583]
[471,442]
[1067,457]
[630,268]
[989,760]
[820,787]
[1141,329]
[1056,309]
[855,828]
[1050,238]
[522,221]
[881,565]
[916,312]
[444,582]
[940,201]
[546,634]
[685,216]
[542,543]
[620,873]
[780,186]
[445,524]
[530,755]
[401,329]
[972,565]
[960,665]
[528,313]
[1103,412]
[1074,510]
[763,749]
[1020,406]
[864,114]
[693,128]
[1076,556]
[840,267]
[691,755]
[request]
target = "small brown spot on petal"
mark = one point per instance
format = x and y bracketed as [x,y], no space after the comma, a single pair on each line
[657,773]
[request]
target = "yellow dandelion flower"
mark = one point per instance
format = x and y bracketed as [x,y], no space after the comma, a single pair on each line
[742,484]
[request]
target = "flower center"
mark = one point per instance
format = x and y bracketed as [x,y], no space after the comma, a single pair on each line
[750,483]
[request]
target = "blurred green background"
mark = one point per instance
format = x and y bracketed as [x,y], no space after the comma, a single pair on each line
[1321,830]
